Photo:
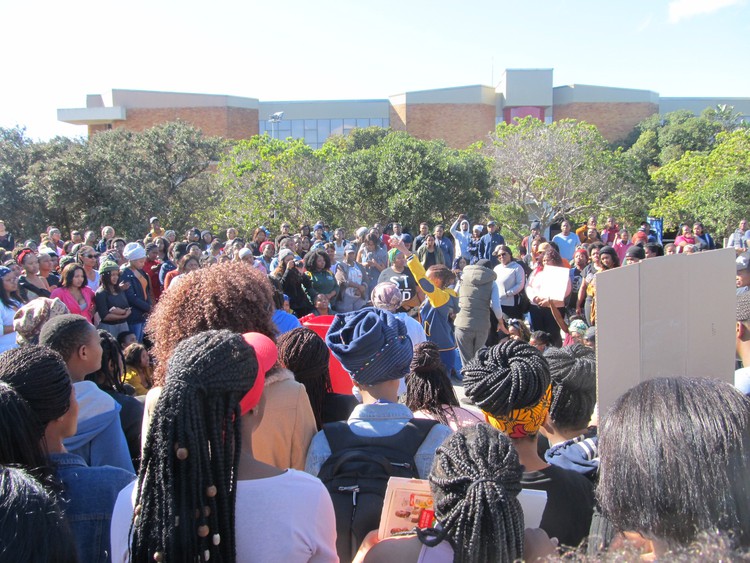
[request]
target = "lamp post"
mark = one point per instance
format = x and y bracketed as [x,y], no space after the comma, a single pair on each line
[273,119]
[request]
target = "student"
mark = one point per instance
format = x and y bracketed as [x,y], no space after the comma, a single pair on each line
[358,340]
[199,460]
[479,517]
[40,377]
[99,439]
[674,458]
[32,525]
[573,443]
[510,382]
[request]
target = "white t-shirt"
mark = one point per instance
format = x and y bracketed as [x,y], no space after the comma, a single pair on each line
[7,341]
[288,518]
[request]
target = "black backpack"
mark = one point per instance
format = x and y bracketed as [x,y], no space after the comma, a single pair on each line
[356,475]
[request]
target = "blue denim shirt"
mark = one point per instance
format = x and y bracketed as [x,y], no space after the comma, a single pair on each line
[379,419]
[90,494]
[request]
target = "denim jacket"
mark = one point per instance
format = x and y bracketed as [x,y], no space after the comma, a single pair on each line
[89,498]
[380,419]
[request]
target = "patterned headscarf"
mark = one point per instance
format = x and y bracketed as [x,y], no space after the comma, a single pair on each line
[521,423]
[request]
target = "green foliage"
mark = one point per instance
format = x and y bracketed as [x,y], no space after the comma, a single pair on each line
[117,177]
[263,181]
[711,186]
[381,176]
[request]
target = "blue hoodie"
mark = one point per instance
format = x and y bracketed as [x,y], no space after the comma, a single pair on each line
[99,439]
[581,454]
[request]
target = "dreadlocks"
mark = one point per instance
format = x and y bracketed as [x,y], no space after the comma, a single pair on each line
[306,355]
[187,485]
[110,376]
[511,375]
[427,385]
[475,479]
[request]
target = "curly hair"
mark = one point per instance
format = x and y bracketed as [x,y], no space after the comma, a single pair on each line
[311,258]
[233,296]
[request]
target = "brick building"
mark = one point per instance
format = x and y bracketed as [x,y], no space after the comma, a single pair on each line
[460,115]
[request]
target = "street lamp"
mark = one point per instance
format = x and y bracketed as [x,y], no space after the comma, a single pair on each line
[273,119]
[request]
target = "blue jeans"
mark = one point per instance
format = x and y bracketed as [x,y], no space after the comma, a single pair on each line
[137,329]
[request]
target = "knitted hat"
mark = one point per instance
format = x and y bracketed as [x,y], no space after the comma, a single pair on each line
[29,319]
[134,251]
[65,260]
[636,251]
[244,253]
[108,266]
[284,253]
[362,231]
[266,243]
[371,344]
[743,307]
[478,228]
[386,296]
[266,353]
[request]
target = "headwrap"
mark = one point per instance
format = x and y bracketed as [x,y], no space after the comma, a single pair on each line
[134,251]
[23,254]
[510,382]
[29,319]
[520,423]
[266,243]
[578,326]
[386,296]
[371,344]
[392,253]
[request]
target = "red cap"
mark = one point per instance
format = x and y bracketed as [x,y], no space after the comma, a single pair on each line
[266,354]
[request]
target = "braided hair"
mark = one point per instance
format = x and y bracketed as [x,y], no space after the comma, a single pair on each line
[573,374]
[39,375]
[475,479]
[511,375]
[306,354]
[20,441]
[187,484]
[427,385]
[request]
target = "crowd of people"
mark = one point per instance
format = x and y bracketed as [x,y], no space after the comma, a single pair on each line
[171,399]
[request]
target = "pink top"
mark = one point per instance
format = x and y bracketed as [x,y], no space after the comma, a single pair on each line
[72,303]
[461,417]
[621,249]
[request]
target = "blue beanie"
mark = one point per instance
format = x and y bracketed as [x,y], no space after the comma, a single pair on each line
[371,344]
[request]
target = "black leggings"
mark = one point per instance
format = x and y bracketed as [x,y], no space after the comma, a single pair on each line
[543,319]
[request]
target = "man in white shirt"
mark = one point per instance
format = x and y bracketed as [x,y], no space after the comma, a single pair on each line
[742,375]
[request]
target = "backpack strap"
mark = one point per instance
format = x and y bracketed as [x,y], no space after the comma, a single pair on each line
[407,440]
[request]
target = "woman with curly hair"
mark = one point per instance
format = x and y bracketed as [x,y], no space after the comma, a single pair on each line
[318,269]
[234,296]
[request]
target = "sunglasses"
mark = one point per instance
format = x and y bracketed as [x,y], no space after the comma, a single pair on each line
[90,256]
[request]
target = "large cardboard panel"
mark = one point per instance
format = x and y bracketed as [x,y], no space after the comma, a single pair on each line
[669,316]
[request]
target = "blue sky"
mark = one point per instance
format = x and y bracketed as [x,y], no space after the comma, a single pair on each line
[57,52]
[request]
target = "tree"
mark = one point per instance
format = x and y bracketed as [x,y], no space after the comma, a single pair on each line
[711,186]
[550,172]
[263,181]
[381,176]
[16,155]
